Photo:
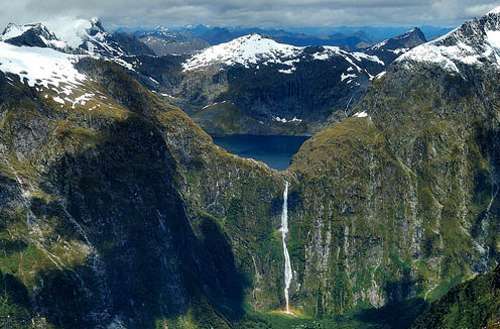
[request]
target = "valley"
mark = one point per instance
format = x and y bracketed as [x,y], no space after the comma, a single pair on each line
[251,184]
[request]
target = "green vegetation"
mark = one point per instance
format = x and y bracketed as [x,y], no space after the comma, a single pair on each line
[473,304]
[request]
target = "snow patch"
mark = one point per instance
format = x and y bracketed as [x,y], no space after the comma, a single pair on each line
[59,100]
[493,38]
[283,120]
[361,114]
[445,56]
[347,76]
[210,105]
[41,66]
[362,56]
[245,50]
[399,51]
[287,71]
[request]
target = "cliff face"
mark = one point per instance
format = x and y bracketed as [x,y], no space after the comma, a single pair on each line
[94,229]
[408,192]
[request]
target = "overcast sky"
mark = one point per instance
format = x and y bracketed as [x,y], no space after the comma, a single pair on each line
[264,13]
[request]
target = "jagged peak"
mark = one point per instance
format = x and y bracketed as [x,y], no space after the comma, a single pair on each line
[408,39]
[13,30]
[413,31]
[475,42]
[62,32]
[75,31]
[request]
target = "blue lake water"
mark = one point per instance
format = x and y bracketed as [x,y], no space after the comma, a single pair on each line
[275,151]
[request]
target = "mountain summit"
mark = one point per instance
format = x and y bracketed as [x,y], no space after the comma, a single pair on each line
[81,36]
[32,35]
[476,43]
[389,49]
[245,50]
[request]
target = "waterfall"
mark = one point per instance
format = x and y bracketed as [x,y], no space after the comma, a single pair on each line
[284,233]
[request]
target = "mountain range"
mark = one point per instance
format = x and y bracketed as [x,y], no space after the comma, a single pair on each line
[117,210]
[256,85]
[189,39]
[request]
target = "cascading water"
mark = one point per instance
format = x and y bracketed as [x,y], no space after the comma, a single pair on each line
[284,233]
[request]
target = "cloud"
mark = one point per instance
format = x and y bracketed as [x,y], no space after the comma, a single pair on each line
[277,13]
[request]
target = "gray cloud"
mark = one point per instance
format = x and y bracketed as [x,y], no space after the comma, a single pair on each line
[276,13]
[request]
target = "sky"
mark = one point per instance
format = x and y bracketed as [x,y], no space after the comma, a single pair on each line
[258,13]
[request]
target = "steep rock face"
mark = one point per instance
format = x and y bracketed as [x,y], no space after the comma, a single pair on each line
[91,209]
[408,189]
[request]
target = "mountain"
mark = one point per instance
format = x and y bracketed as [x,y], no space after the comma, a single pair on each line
[190,39]
[88,241]
[76,37]
[173,44]
[118,211]
[32,35]
[132,45]
[256,85]
[164,42]
[217,35]
[411,179]
[389,49]
[281,87]
[475,43]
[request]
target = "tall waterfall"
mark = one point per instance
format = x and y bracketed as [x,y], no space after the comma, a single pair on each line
[284,233]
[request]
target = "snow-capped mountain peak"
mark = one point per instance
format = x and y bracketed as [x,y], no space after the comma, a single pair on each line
[34,35]
[76,33]
[476,42]
[13,30]
[245,50]
[495,10]
[45,54]
[70,35]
